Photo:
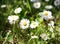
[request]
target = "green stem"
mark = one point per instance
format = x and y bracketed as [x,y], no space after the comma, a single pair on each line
[28,5]
[13,31]
[6,37]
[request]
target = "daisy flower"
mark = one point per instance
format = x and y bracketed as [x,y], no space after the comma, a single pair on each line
[51,24]
[47,0]
[18,10]
[49,7]
[57,2]
[12,19]
[44,36]
[37,4]
[34,24]
[47,15]
[24,24]
[34,37]
[34,0]
[3,6]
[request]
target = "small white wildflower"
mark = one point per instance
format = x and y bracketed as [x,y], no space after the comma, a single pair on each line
[12,19]
[51,24]
[3,6]
[37,5]
[57,2]
[24,24]
[34,37]
[49,7]
[47,15]
[34,0]
[11,22]
[44,36]
[17,10]
[34,24]
[47,0]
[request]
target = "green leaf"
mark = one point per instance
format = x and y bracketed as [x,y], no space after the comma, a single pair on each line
[0,38]
[10,38]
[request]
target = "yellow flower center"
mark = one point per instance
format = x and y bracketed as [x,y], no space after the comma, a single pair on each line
[36,4]
[13,17]
[24,23]
[44,36]
[46,13]
[34,23]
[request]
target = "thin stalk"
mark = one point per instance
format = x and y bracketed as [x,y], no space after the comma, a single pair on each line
[6,37]
[28,4]
[13,31]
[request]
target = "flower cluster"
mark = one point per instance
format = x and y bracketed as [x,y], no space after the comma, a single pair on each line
[31,20]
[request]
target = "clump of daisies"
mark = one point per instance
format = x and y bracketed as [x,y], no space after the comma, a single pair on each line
[17,10]
[13,18]
[47,15]
[34,24]
[24,24]
[36,4]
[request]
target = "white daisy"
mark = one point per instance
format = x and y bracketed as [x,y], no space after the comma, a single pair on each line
[3,6]
[49,7]
[44,36]
[11,22]
[34,0]
[37,5]
[34,37]
[51,24]
[17,10]
[24,24]
[47,0]
[34,24]
[12,19]
[47,15]
[57,2]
